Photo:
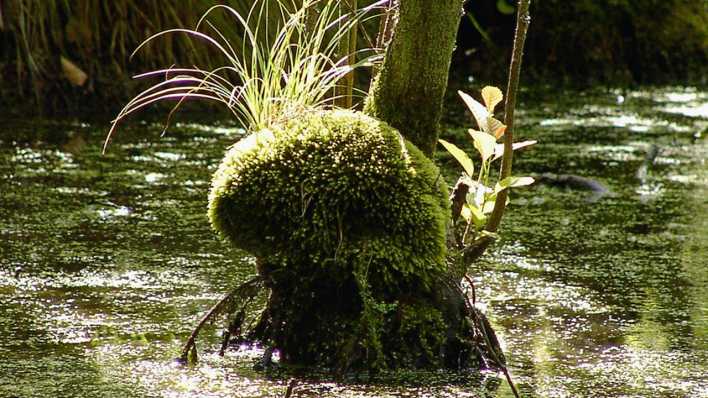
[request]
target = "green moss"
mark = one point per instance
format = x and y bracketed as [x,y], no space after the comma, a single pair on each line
[349,221]
[408,91]
[331,186]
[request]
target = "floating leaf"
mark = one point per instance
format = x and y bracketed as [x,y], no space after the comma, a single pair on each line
[496,128]
[512,182]
[461,157]
[499,149]
[73,73]
[478,110]
[491,96]
[484,143]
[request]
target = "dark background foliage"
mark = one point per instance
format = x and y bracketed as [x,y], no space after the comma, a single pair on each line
[578,43]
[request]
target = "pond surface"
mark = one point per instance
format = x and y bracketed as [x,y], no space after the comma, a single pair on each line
[107,262]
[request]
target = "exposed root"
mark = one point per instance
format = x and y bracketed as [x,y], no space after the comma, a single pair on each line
[234,329]
[482,328]
[245,292]
[291,387]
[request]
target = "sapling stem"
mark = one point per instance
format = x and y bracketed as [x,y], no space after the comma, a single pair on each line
[523,19]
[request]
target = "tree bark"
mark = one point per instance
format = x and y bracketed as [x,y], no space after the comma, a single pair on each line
[408,92]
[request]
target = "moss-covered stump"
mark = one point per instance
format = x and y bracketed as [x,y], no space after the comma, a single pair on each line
[348,221]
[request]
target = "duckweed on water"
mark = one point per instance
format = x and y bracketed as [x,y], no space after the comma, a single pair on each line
[602,299]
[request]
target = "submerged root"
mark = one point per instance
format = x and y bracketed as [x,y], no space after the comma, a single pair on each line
[484,336]
[235,302]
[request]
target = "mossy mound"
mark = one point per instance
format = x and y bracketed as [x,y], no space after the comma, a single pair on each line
[330,185]
[348,221]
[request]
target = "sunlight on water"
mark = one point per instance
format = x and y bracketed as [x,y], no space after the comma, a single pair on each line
[107,262]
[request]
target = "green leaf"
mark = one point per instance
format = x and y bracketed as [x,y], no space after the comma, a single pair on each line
[484,143]
[492,235]
[478,217]
[513,182]
[489,198]
[505,8]
[466,213]
[461,157]
[499,149]
[496,128]
[492,96]
[488,207]
[478,110]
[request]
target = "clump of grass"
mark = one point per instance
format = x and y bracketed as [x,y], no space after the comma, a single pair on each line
[264,82]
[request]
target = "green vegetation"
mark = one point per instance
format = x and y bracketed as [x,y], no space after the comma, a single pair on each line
[44,45]
[479,198]
[97,37]
[347,219]
[328,180]
[295,68]
[614,42]
[331,203]
[408,92]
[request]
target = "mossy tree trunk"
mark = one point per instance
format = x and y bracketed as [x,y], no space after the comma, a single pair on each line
[408,92]
[355,256]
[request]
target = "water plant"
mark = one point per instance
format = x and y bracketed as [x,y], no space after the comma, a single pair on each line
[478,196]
[329,201]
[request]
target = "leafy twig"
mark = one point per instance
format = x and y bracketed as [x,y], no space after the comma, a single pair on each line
[523,19]
[475,250]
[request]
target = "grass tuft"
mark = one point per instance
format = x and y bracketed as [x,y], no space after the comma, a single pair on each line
[277,71]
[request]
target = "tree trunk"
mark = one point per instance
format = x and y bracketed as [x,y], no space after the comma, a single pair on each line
[408,92]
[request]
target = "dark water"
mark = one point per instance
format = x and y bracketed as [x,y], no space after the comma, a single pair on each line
[106,262]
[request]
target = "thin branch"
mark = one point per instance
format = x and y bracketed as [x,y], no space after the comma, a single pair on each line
[498,358]
[523,19]
[248,289]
